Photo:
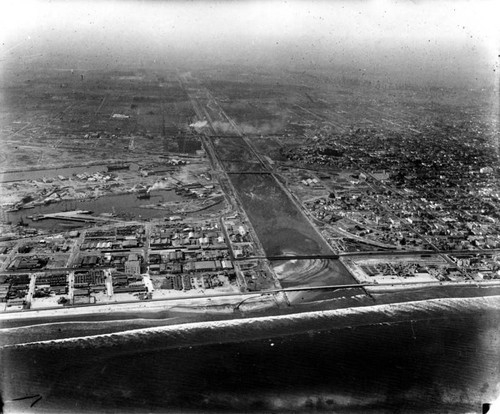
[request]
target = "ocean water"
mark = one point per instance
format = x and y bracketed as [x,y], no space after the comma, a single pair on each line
[439,356]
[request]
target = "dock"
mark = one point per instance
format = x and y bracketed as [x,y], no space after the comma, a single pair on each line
[76,215]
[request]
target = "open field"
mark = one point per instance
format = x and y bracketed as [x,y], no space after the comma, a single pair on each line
[325,151]
[249,206]
[60,117]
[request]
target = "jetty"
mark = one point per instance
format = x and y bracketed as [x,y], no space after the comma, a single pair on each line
[75,215]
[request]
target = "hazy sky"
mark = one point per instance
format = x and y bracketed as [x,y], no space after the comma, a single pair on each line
[461,36]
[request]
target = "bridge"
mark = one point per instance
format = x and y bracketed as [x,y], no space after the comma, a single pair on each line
[303,257]
[249,172]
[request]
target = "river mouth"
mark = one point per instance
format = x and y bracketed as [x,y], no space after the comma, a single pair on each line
[311,272]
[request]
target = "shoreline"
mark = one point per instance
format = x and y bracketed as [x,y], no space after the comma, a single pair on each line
[241,329]
[197,301]
[179,312]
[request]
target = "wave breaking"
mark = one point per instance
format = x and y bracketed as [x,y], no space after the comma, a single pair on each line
[246,329]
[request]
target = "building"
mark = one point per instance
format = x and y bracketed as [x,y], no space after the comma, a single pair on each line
[205,266]
[132,267]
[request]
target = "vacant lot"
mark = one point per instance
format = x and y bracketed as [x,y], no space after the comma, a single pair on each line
[59,117]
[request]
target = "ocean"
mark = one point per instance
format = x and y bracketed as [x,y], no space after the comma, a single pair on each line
[438,356]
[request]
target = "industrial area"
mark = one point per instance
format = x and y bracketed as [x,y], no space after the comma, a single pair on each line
[181,186]
[249,206]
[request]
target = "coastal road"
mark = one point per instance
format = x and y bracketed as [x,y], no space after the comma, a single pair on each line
[231,302]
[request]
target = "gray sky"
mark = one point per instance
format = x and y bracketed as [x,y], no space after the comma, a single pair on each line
[421,36]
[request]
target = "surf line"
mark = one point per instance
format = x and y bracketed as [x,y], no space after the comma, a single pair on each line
[237,330]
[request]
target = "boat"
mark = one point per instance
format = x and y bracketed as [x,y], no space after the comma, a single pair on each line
[107,215]
[76,212]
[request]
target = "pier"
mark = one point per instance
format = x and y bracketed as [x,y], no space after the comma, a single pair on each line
[76,215]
